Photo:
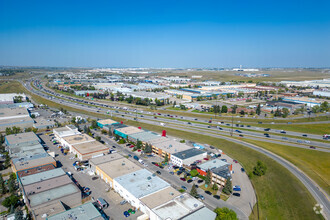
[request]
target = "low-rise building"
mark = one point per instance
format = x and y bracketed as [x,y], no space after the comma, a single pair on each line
[89,150]
[68,130]
[143,136]
[41,124]
[124,132]
[165,146]
[115,168]
[49,193]
[38,161]
[220,171]
[85,211]
[18,117]
[21,138]
[136,185]
[69,141]
[188,157]
[93,162]
[104,122]
[8,98]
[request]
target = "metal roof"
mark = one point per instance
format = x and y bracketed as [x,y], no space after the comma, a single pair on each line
[86,211]
[188,153]
[26,180]
[22,138]
[211,164]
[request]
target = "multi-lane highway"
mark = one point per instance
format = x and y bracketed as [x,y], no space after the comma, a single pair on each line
[176,122]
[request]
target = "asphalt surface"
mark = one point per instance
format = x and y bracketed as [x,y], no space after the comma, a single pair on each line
[320,196]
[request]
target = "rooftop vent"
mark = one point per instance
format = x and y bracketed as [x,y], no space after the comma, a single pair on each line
[195,205]
[149,177]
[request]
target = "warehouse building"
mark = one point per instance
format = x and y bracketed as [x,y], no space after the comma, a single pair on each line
[85,211]
[96,161]
[68,130]
[143,136]
[166,146]
[38,161]
[220,171]
[49,193]
[8,98]
[136,185]
[124,132]
[18,117]
[72,140]
[102,123]
[187,157]
[89,150]
[115,168]
[22,138]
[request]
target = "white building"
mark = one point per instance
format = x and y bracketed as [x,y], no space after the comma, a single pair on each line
[187,157]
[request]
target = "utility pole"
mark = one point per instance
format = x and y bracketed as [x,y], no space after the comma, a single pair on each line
[232,123]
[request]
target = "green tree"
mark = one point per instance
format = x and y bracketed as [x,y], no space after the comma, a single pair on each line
[148,149]
[225,214]
[285,112]
[208,177]
[233,110]
[19,214]
[73,120]
[94,124]
[98,138]
[260,169]
[138,144]
[166,158]
[104,131]
[224,109]
[3,189]
[258,110]
[324,106]
[227,189]
[10,201]
[194,173]
[215,187]
[193,191]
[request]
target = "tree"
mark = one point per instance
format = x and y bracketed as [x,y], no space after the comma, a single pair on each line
[148,149]
[225,214]
[324,106]
[3,189]
[224,109]
[94,124]
[18,214]
[12,183]
[166,158]
[215,187]
[104,131]
[33,116]
[258,110]
[285,112]
[98,138]
[208,177]
[193,191]
[194,173]
[73,120]
[227,189]
[10,201]
[260,169]
[138,144]
[233,110]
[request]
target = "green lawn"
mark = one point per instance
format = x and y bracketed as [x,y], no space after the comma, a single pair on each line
[11,87]
[304,128]
[315,164]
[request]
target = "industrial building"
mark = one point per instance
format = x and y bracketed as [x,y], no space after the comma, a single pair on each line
[143,136]
[96,161]
[8,98]
[21,138]
[69,141]
[166,146]
[49,193]
[89,150]
[187,157]
[115,168]
[136,185]
[18,117]
[68,130]
[86,211]
[38,161]
[219,169]
[105,122]
[124,132]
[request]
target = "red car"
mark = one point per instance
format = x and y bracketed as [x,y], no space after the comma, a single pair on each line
[183,179]
[206,159]
[139,150]
[156,164]
[235,161]
[131,146]
[155,117]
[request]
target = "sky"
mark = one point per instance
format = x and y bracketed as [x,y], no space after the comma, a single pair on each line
[165,33]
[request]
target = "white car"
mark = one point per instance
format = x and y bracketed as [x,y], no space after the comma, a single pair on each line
[308,142]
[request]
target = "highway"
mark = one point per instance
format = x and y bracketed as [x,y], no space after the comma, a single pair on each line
[320,196]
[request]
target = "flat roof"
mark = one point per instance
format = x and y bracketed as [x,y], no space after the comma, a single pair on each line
[119,167]
[85,211]
[145,136]
[169,145]
[178,207]
[25,148]
[49,174]
[90,147]
[107,121]
[46,185]
[188,153]
[129,130]
[12,112]
[22,138]
[22,165]
[53,194]
[105,158]
[141,183]
[203,213]
[160,197]
[78,139]
[211,164]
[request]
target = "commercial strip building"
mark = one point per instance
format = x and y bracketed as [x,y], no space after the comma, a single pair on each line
[143,136]
[125,131]
[21,138]
[96,161]
[68,130]
[49,193]
[38,161]
[309,102]
[188,157]
[219,169]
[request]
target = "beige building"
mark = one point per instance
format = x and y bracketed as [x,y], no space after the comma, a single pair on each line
[165,145]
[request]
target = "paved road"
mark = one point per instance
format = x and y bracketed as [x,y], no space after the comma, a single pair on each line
[313,188]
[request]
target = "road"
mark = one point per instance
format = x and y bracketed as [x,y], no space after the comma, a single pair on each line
[320,196]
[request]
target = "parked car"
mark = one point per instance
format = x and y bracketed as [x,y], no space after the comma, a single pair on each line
[208,192]
[172,173]
[200,181]
[123,202]
[183,187]
[216,196]
[242,169]
[236,194]
[189,181]
[126,214]
[183,179]
[158,172]
[201,197]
